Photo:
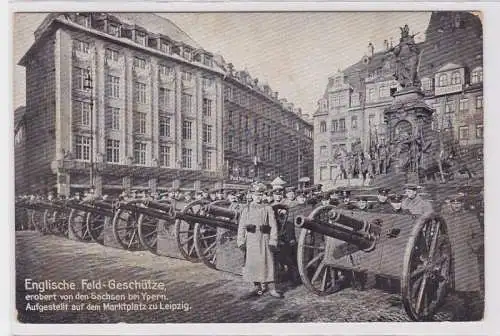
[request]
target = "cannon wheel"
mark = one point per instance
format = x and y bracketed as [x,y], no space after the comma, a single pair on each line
[205,240]
[316,276]
[95,226]
[37,219]
[427,268]
[48,221]
[77,224]
[147,230]
[60,221]
[125,224]
[184,232]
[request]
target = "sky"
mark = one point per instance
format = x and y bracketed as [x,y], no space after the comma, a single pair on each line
[294,53]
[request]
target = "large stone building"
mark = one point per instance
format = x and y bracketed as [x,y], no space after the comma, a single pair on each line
[351,111]
[126,100]
[265,136]
[20,118]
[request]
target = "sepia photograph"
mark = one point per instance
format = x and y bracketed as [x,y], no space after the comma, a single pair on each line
[247,167]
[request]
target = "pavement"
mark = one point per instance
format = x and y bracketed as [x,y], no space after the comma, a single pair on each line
[201,294]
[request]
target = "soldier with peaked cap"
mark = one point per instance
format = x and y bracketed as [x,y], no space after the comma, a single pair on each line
[258,236]
[290,197]
[382,204]
[277,195]
[362,203]
[413,202]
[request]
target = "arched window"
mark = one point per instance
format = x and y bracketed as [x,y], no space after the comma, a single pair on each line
[477,76]
[443,80]
[322,127]
[455,78]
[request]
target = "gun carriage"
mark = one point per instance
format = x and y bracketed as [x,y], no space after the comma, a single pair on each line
[428,254]
[88,218]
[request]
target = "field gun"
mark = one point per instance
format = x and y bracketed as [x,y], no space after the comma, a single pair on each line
[425,255]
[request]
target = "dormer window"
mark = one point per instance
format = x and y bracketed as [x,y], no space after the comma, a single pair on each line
[443,80]
[114,29]
[165,47]
[207,60]
[83,19]
[187,54]
[140,37]
[456,78]
[477,76]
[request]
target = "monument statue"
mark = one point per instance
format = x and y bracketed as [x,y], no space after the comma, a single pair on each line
[406,56]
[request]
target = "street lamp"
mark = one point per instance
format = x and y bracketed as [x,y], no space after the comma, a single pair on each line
[88,86]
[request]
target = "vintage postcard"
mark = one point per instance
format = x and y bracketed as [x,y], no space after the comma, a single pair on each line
[244,167]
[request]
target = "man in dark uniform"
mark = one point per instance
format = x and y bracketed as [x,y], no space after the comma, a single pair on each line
[395,202]
[277,195]
[290,197]
[346,200]
[362,203]
[413,202]
[382,204]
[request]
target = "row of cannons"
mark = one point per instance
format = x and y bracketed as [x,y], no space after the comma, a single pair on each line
[428,255]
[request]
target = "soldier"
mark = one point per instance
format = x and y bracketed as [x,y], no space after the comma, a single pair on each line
[413,202]
[334,198]
[382,204]
[290,197]
[220,195]
[277,195]
[301,198]
[258,236]
[325,200]
[188,196]
[346,200]
[396,201]
[362,203]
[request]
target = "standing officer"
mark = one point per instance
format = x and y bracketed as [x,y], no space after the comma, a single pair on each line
[258,236]
[413,202]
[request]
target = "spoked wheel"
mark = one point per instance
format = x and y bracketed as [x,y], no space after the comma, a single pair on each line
[125,225]
[205,240]
[148,232]
[37,219]
[61,220]
[316,275]
[49,222]
[95,226]
[184,231]
[427,268]
[77,224]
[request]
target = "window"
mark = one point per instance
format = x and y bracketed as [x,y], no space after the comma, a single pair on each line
[140,153]
[207,107]
[477,76]
[443,80]
[80,75]
[165,47]
[335,125]
[81,46]
[186,129]
[111,55]
[479,102]
[186,75]
[323,173]
[164,124]
[164,70]
[207,83]
[228,93]
[113,86]
[82,114]
[187,154]
[323,152]
[342,125]
[207,60]
[464,105]
[464,132]
[383,91]
[230,117]
[140,92]
[186,103]
[114,29]
[187,54]
[230,140]
[82,148]
[141,38]
[164,96]
[140,122]
[354,122]
[113,151]
[139,63]
[322,126]
[164,156]
[479,131]
[256,126]
[426,84]
[114,117]
[371,120]
[247,121]
[207,160]
[455,78]
[450,107]
[371,95]
[207,133]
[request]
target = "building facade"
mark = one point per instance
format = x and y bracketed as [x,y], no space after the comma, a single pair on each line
[350,114]
[20,117]
[265,136]
[129,101]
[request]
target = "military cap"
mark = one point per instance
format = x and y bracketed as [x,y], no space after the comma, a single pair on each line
[384,191]
[290,189]
[278,191]
[396,198]
[412,186]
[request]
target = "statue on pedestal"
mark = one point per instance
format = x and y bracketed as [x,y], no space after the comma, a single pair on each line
[406,55]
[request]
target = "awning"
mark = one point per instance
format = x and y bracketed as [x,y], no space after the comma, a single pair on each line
[305,179]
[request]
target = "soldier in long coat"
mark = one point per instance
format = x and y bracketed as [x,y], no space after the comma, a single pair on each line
[413,202]
[258,236]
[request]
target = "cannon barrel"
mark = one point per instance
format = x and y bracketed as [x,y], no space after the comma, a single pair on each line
[215,222]
[345,220]
[92,208]
[142,209]
[165,206]
[104,204]
[218,211]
